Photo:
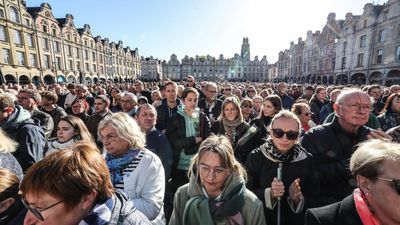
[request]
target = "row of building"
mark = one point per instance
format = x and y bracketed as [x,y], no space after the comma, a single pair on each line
[360,49]
[37,47]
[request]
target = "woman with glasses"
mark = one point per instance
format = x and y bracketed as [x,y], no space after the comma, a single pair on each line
[375,166]
[12,211]
[216,192]
[296,188]
[72,187]
[70,129]
[135,170]
[247,109]
[303,112]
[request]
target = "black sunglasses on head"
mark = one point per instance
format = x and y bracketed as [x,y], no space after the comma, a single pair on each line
[395,182]
[291,135]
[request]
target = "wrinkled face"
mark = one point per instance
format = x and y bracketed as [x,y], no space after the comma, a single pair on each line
[65,131]
[25,100]
[257,104]
[114,144]
[396,104]
[127,103]
[268,108]
[246,107]
[99,106]
[230,112]
[212,174]
[190,102]
[146,119]
[355,109]
[57,214]
[382,192]
[283,144]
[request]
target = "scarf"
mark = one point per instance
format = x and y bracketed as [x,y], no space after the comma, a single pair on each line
[270,151]
[199,210]
[117,164]
[363,210]
[100,214]
[230,128]
[189,120]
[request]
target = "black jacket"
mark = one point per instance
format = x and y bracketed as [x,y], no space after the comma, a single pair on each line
[164,113]
[212,114]
[339,213]
[57,113]
[332,148]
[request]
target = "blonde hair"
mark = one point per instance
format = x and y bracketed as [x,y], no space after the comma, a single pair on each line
[7,145]
[126,127]
[235,103]
[9,184]
[287,115]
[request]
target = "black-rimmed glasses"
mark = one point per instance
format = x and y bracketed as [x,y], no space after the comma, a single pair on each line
[38,212]
[395,182]
[291,135]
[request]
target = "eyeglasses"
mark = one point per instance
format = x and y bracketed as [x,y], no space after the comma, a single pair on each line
[228,89]
[250,90]
[217,171]
[395,182]
[38,212]
[291,135]
[308,114]
[190,81]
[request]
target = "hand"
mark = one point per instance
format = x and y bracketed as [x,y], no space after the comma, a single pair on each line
[378,134]
[198,139]
[277,188]
[295,192]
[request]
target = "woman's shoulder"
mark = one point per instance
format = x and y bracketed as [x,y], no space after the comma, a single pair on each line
[251,201]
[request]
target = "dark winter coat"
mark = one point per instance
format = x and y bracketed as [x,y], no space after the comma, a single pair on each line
[164,113]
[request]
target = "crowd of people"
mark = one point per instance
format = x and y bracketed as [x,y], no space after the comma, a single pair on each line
[188,153]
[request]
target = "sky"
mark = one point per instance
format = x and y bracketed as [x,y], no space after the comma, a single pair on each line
[160,28]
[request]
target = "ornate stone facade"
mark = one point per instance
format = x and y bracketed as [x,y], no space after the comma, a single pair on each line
[37,47]
[151,69]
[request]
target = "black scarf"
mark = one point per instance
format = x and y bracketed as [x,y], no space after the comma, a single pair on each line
[270,151]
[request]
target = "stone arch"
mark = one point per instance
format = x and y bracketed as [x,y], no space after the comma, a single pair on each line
[318,80]
[48,79]
[324,79]
[341,79]
[36,80]
[331,80]
[10,79]
[71,79]
[24,79]
[61,79]
[375,78]
[393,77]
[358,78]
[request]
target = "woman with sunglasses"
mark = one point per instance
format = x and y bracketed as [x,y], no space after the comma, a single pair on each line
[375,166]
[303,112]
[72,187]
[297,188]
[216,192]
[247,109]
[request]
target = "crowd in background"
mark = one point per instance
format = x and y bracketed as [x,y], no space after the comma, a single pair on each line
[192,152]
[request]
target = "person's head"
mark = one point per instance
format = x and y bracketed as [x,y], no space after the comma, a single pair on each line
[264,93]
[29,98]
[282,88]
[101,103]
[190,97]
[374,91]
[142,100]
[238,93]
[9,187]
[393,103]
[71,88]
[139,86]
[214,163]
[68,183]
[375,165]
[302,111]
[120,132]
[257,102]
[246,105]
[210,91]
[7,105]
[231,110]
[79,106]
[146,117]
[309,90]
[180,90]
[7,145]
[48,98]
[227,91]
[353,108]
[190,81]
[128,102]
[394,89]
[81,90]
[70,127]
[271,105]
[156,95]
[114,92]
[334,94]
[320,94]
[284,130]
[171,91]
[251,91]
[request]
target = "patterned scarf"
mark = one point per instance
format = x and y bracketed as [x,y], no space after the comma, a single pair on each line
[363,210]
[100,214]
[270,151]
[230,128]
[117,164]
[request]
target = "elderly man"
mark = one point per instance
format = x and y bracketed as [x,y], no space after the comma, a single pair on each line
[129,103]
[332,144]
[210,105]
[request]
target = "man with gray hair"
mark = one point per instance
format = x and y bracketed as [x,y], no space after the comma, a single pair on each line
[210,105]
[333,143]
[129,103]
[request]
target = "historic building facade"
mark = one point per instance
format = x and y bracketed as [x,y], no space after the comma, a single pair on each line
[37,47]
[151,69]
[240,67]
[361,49]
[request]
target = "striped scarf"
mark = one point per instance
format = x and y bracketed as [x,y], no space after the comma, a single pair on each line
[116,165]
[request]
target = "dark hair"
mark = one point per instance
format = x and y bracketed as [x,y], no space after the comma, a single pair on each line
[389,102]
[188,90]
[104,98]
[34,94]
[49,95]
[275,101]
[369,89]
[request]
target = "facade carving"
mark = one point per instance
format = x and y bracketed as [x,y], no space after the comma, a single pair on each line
[151,69]
[37,47]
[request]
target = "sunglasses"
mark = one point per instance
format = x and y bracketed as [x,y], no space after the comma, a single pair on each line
[38,212]
[247,106]
[250,90]
[291,135]
[308,114]
[227,89]
[395,182]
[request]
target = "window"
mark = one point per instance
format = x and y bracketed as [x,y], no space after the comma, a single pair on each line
[93,56]
[86,55]
[365,24]
[3,36]
[379,56]
[381,36]
[94,68]
[78,66]
[77,53]
[86,66]
[360,59]
[29,39]
[363,41]
[70,66]
[18,37]
[14,15]
[20,58]
[45,43]
[2,13]
[6,56]
[343,62]
[69,50]
[44,28]
[344,46]
[32,60]
[46,61]
[58,63]
[27,22]
[398,53]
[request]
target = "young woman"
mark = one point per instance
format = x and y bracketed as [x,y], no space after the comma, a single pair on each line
[80,108]
[70,130]
[297,186]
[303,112]
[216,193]
[247,109]
[391,116]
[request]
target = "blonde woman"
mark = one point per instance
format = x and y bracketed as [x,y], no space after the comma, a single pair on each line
[7,160]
